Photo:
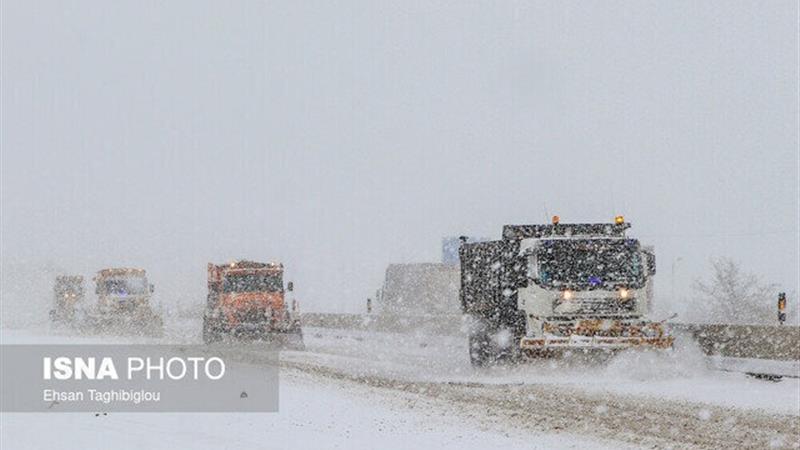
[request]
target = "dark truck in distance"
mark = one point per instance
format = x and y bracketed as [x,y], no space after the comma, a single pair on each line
[68,291]
[542,289]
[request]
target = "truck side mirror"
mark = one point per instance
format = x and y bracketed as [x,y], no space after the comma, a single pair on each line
[521,272]
[152,288]
[290,286]
[650,258]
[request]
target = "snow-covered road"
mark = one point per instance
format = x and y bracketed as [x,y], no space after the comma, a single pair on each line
[356,389]
[684,374]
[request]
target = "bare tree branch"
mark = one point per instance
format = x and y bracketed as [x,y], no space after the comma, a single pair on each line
[733,296]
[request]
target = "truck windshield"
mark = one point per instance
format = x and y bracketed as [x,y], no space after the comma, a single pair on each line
[590,263]
[124,286]
[68,287]
[253,283]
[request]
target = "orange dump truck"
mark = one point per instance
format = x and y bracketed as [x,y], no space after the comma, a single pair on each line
[248,299]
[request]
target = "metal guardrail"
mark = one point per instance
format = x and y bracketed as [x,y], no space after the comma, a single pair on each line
[739,341]
[745,341]
[447,325]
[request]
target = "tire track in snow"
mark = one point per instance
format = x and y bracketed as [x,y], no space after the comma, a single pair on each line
[641,421]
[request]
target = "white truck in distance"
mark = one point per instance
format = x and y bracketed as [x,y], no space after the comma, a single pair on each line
[545,288]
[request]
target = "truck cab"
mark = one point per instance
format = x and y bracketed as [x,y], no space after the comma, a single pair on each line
[124,298]
[559,286]
[68,291]
[248,299]
[123,289]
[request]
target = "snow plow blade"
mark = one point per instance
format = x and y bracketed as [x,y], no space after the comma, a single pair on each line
[600,335]
[600,343]
[142,321]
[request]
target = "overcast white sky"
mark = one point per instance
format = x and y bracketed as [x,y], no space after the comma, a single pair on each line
[341,136]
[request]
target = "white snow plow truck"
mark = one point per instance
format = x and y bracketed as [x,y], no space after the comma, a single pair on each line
[544,289]
[123,304]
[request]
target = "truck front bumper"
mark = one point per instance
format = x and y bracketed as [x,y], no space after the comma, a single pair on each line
[264,327]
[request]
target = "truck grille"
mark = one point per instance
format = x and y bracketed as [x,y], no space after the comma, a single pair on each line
[597,305]
[250,316]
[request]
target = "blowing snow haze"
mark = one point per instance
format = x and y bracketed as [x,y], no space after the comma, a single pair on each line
[339,137]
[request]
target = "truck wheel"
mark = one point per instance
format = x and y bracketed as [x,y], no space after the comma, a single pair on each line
[480,345]
[477,351]
[510,351]
[155,326]
[157,330]
[294,341]
[490,343]
[210,334]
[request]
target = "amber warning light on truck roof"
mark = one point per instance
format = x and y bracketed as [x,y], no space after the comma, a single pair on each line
[619,220]
[555,220]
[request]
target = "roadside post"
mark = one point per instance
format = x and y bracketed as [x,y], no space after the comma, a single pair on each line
[782,308]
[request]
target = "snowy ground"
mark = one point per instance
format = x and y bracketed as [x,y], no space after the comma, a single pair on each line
[355,389]
[313,414]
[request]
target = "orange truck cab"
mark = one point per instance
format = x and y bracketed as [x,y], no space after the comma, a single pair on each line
[248,299]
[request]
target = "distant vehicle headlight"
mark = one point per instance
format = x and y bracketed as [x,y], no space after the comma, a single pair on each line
[623,293]
[566,294]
